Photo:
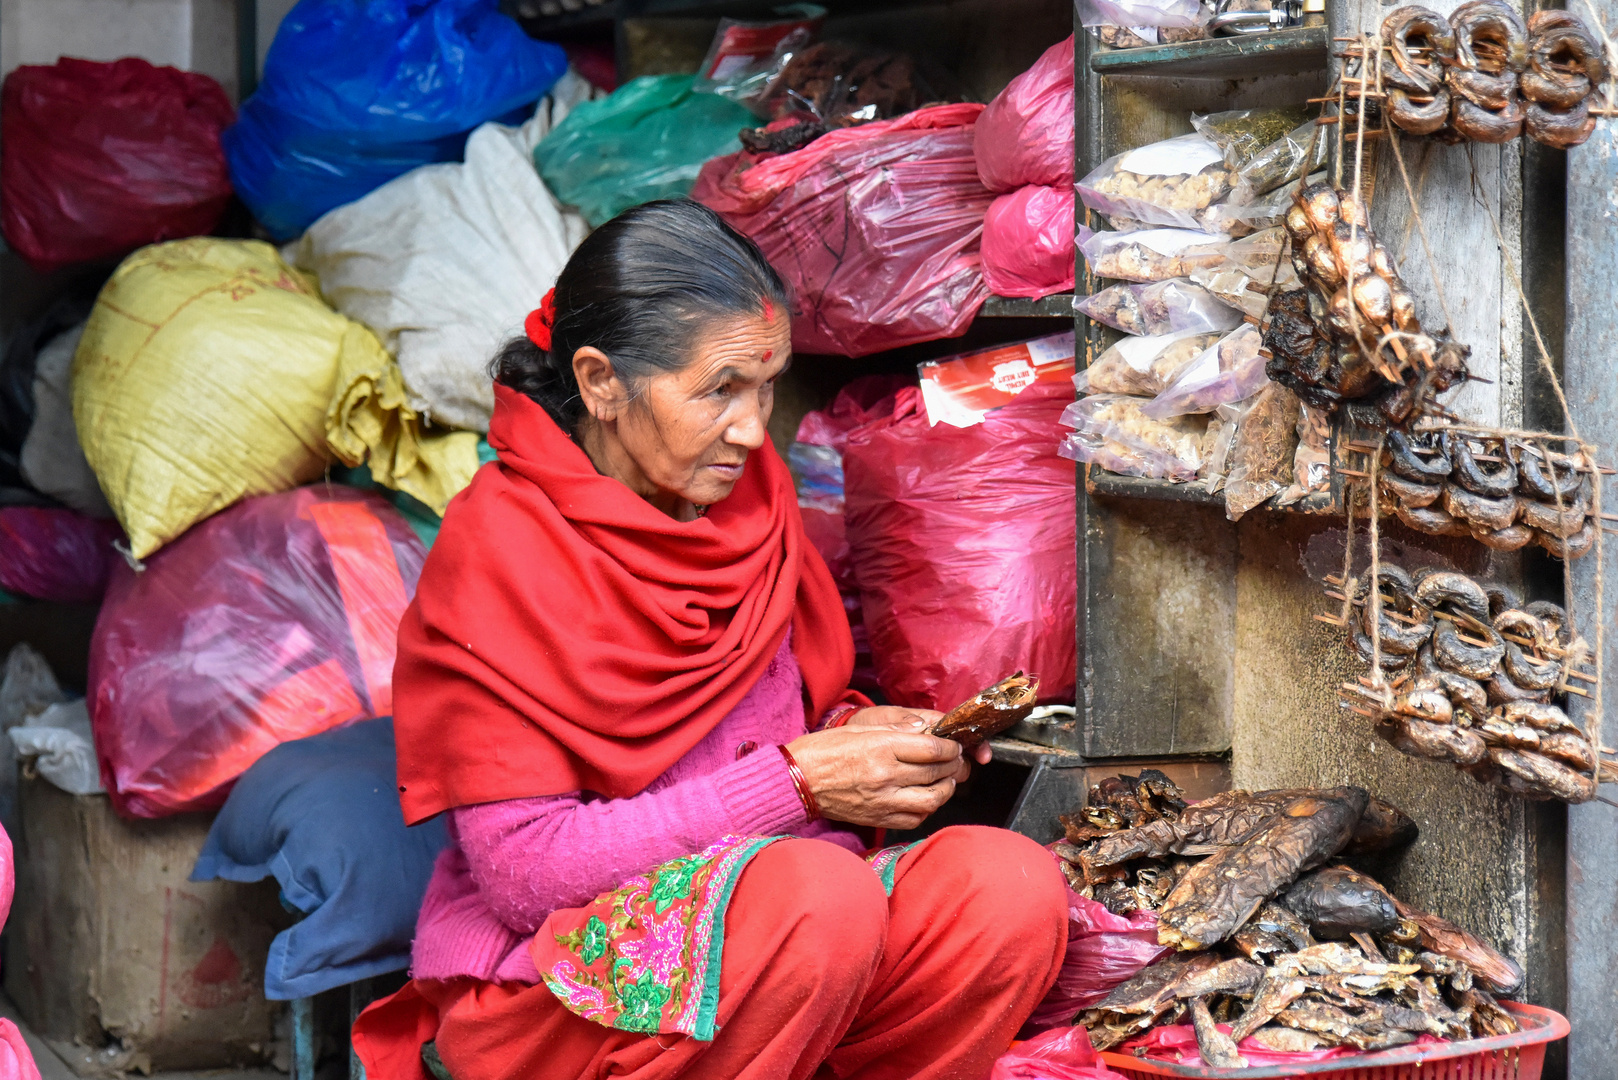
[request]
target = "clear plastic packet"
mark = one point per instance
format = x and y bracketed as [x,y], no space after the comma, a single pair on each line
[1242,133]
[1163,307]
[1154,254]
[1280,163]
[1229,370]
[747,55]
[1142,13]
[1240,273]
[1110,431]
[1311,462]
[1261,457]
[1143,366]
[1172,182]
[1226,421]
[1125,37]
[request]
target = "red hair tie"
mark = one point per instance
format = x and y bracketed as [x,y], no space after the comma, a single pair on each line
[540,321]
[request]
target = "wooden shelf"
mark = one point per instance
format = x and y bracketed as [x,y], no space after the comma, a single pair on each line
[1059,306]
[1278,52]
[1098,481]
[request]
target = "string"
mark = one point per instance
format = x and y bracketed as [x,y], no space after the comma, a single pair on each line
[1421,226]
[1376,569]
[1350,586]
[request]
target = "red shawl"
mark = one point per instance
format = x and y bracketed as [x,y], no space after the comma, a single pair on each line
[568,636]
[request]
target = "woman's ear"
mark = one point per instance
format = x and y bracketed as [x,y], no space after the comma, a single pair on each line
[599,387]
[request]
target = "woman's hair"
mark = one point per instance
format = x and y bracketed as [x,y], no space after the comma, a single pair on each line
[642,289]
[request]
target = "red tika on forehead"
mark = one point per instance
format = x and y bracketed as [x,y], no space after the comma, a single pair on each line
[769,354]
[769,311]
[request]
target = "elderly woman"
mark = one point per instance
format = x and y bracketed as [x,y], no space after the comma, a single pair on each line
[624,678]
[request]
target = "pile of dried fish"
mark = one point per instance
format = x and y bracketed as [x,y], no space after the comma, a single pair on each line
[1264,936]
[1504,492]
[1476,671]
[1467,76]
[1352,333]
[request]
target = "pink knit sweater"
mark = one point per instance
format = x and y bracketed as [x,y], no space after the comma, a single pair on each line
[510,864]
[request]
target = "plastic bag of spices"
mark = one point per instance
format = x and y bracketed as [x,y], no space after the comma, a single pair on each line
[1261,457]
[1311,462]
[1154,254]
[1241,134]
[1229,370]
[1111,431]
[1143,366]
[1172,182]
[1163,307]
[1127,24]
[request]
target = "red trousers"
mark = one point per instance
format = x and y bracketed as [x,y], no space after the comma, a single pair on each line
[823,976]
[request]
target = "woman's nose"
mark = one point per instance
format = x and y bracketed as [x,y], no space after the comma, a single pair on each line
[748,429]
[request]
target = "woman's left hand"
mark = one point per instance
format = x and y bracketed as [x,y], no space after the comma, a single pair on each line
[898,718]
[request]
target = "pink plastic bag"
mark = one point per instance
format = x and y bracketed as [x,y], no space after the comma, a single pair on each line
[270,621]
[1103,951]
[1029,242]
[16,1060]
[102,158]
[56,555]
[1025,136]
[1060,1054]
[963,544]
[875,228]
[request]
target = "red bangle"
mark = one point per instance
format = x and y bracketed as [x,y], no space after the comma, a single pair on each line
[838,716]
[810,805]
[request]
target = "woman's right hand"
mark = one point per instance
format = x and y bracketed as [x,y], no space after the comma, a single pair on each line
[879,776]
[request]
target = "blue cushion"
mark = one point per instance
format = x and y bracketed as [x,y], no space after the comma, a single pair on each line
[322,815]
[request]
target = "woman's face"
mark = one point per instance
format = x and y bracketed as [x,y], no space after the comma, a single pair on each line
[683,440]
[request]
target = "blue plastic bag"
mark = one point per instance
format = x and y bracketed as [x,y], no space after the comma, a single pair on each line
[357,92]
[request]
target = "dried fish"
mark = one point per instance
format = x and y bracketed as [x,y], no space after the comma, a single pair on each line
[1337,902]
[1216,1047]
[1499,974]
[1219,894]
[991,712]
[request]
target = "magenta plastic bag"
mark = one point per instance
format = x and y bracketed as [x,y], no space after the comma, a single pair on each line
[1025,136]
[962,541]
[270,621]
[1060,1054]
[1029,242]
[875,228]
[57,555]
[1103,951]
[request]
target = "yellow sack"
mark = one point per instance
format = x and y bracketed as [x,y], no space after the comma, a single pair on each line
[370,418]
[205,375]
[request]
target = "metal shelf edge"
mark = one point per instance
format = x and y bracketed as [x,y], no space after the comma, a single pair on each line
[1274,53]
[1059,306]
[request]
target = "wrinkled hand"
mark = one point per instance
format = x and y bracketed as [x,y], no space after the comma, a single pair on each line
[897,718]
[879,776]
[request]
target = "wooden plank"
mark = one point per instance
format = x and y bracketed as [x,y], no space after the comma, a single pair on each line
[1590,353]
[1280,52]
[1098,481]
[1059,306]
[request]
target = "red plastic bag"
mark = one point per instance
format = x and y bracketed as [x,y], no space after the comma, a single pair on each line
[1059,1054]
[1025,136]
[963,544]
[1029,243]
[867,398]
[57,555]
[101,159]
[874,227]
[270,621]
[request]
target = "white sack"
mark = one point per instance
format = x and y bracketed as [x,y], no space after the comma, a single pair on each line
[446,261]
[59,742]
[52,460]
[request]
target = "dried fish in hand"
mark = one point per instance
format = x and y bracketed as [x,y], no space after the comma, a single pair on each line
[994,710]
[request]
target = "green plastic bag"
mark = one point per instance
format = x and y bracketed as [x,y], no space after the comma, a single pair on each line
[647,141]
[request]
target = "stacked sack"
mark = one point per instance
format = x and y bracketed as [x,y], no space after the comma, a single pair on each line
[1185,396]
[1024,150]
[875,228]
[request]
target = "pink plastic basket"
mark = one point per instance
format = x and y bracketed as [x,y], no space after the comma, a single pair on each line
[1520,1056]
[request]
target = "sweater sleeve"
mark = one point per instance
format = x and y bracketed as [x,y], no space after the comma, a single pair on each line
[529,857]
